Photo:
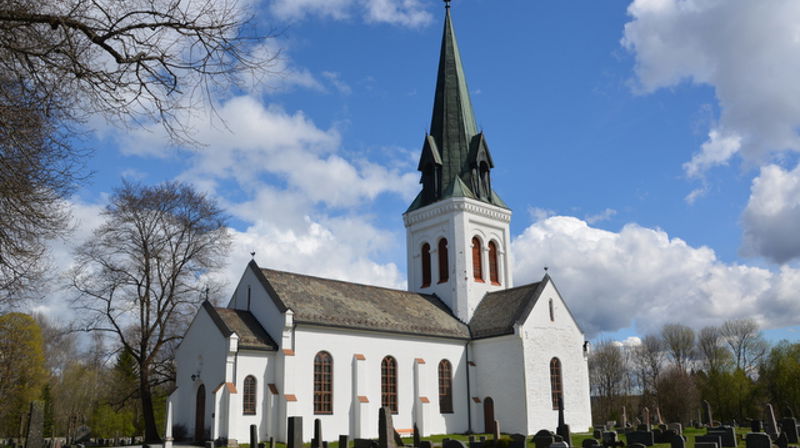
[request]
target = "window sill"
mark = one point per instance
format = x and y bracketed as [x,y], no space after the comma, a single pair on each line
[479,280]
[443,281]
[425,285]
[496,283]
[248,413]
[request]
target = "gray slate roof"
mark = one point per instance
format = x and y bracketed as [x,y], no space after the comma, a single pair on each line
[500,310]
[335,303]
[252,335]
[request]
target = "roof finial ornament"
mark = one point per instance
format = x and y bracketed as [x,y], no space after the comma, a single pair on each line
[252,255]
[447,4]
[546,269]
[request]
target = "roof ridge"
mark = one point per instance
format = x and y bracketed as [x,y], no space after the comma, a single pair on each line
[515,287]
[348,282]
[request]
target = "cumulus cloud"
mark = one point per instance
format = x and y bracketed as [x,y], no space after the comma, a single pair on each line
[605,215]
[642,276]
[410,13]
[746,50]
[770,220]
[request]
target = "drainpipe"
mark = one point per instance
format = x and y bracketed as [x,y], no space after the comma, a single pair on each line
[469,395]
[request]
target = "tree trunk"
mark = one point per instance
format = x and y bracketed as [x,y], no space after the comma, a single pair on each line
[150,429]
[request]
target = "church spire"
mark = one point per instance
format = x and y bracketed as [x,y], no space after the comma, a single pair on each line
[455,160]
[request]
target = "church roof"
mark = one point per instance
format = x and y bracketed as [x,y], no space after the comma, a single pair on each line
[252,335]
[334,303]
[500,310]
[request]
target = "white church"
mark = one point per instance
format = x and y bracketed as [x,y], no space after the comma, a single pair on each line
[461,348]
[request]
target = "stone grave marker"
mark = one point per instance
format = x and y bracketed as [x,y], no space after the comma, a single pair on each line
[385,429]
[253,436]
[473,442]
[517,441]
[209,444]
[262,445]
[782,441]
[624,419]
[272,442]
[34,436]
[677,427]
[590,443]
[563,428]
[789,426]
[597,434]
[415,439]
[677,441]
[727,435]
[771,426]
[635,445]
[559,444]
[757,440]
[344,441]
[641,437]
[453,443]
[709,416]
[646,418]
[756,425]
[367,443]
[496,430]
[715,439]
[294,438]
[543,439]
[706,445]
[425,444]
[324,444]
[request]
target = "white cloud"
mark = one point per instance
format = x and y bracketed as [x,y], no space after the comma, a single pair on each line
[772,215]
[410,13]
[746,50]
[610,279]
[605,215]
[337,82]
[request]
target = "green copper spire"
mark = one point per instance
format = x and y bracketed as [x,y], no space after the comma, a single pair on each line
[455,160]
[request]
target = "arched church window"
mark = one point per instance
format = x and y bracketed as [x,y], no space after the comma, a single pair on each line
[323,383]
[443,268]
[389,384]
[477,262]
[426,265]
[494,275]
[445,387]
[556,385]
[249,396]
[552,312]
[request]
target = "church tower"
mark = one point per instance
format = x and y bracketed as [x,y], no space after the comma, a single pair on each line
[457,228]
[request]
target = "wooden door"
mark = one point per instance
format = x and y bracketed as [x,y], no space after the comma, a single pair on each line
[200,414]
[488,415]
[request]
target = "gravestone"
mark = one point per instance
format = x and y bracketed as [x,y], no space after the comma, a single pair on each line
[610,440]
[677,427]
[344,441]
[715,439]
[425,444]
[624,418]
[635,445]
[496,431]
[517,441]
[272,442]
[771,426]
[543,439]
[294,438]
[482,439]
[262,445]
[367,443]
[385,429]
[473,443]
[782,441]
[590,443]
[756,425]
[82,435]
[209,444]
[453,443]
[727,435]
[324,444]
[789,426]
[415,439]
[659,420]
[641,437]
[597,434]
[677,441]
[646,418]
[253,436]
[709,417]
[757,440]
[34,436]
[706,445]
[563,428]
[559,444]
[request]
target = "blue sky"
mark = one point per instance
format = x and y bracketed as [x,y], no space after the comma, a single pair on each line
[647,149]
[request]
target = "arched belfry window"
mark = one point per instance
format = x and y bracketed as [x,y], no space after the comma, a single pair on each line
[494,275]
[556,384]
[486,183]
[426,265]
[477,262]
[249,396]
[389,384]
[443,265]
[552,312]
[445,387]
[323,383]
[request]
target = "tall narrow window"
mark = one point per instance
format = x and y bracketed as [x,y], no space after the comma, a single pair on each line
[249,396]
[426,265]
[389,384]
[443,269]
[552,312]
[323,383]
[445,387]
[556,385]
[477,263]
[494,276]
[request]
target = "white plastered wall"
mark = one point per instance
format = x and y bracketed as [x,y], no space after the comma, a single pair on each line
[543,340]
[499,369]
[203,353]
[458,220]
[343,345]
[260,304]
[260,364]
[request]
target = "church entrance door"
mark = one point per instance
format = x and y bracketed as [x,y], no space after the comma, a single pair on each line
[488,415]
[200,414]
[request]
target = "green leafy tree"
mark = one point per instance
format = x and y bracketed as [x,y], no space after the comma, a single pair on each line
[22,372]
[780,375]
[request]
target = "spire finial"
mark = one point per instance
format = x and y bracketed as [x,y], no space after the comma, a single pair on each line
[447,4]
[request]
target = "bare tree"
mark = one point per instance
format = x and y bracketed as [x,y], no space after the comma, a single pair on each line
[132,62]
[745,341]
[679,340]
[608,372]
[710,346]
[141,276]
[648,358]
